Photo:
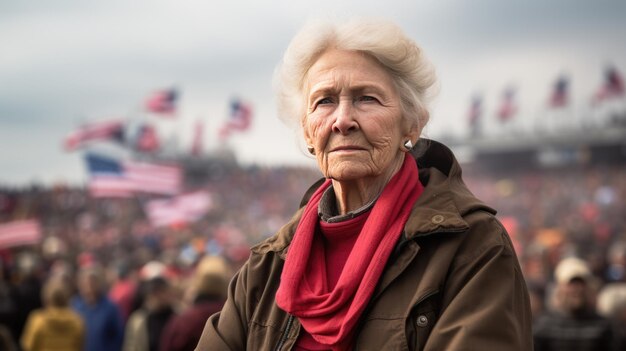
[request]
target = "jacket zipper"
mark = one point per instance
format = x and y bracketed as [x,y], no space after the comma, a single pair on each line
[283,338]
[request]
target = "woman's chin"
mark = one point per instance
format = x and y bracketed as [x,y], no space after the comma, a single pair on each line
[350,172]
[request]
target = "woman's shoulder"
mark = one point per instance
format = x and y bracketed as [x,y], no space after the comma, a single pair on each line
[486,230]
[448,206]
[468,226]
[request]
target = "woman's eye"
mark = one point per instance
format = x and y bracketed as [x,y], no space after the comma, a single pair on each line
[367,98]
[324,101]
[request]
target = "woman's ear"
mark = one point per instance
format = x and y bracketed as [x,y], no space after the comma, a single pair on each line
[414,135]
[412,132]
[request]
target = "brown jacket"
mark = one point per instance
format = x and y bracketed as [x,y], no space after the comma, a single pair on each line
[453,281]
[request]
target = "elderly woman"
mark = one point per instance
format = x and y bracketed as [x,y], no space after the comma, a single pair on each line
[390,251]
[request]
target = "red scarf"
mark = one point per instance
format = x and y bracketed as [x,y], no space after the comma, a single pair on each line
[330,316]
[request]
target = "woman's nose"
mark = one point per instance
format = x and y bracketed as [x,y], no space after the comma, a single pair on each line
[345,121]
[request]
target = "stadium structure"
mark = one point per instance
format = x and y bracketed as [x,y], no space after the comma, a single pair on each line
[570,148]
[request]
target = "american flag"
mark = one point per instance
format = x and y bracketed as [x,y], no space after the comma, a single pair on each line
[196,146]
[613,86]
[17,233]
[559,95]
[105,130]
[162,102]
[475,113]
[240,118]
[114,178]
[184,208]
[147,139]
[507,108]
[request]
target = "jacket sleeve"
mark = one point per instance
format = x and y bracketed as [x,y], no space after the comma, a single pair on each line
[485,304]
[228,329]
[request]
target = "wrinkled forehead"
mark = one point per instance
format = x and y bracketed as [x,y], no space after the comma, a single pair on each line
[354,67]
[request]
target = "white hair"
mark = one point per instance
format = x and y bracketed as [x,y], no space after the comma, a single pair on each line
[412,73]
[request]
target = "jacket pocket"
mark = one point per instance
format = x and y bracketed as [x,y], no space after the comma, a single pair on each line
[421,320]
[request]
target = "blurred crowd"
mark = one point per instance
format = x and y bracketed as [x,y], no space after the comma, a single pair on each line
[109,280]
[126,278]
[568,226]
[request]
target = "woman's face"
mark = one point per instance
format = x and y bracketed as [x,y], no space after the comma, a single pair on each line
[354,118]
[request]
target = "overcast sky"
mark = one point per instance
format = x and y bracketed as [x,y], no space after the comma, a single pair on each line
[67,62]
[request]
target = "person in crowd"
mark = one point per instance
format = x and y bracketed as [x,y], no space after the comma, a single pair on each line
[56,327]
[612,305]
[27,289]
[616,270]
[537,299]
[390,250]
[573,324]
[148,271]
[145,325]
[209,293]
[8,310]
[6,339]
[104,329]
[123,290]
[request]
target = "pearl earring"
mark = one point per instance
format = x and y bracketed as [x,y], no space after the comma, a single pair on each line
[408,145]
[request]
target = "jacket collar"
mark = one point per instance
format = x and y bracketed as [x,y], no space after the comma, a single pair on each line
[440,208]
[446,199]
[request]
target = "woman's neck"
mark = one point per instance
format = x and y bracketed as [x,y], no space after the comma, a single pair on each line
[356,193]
